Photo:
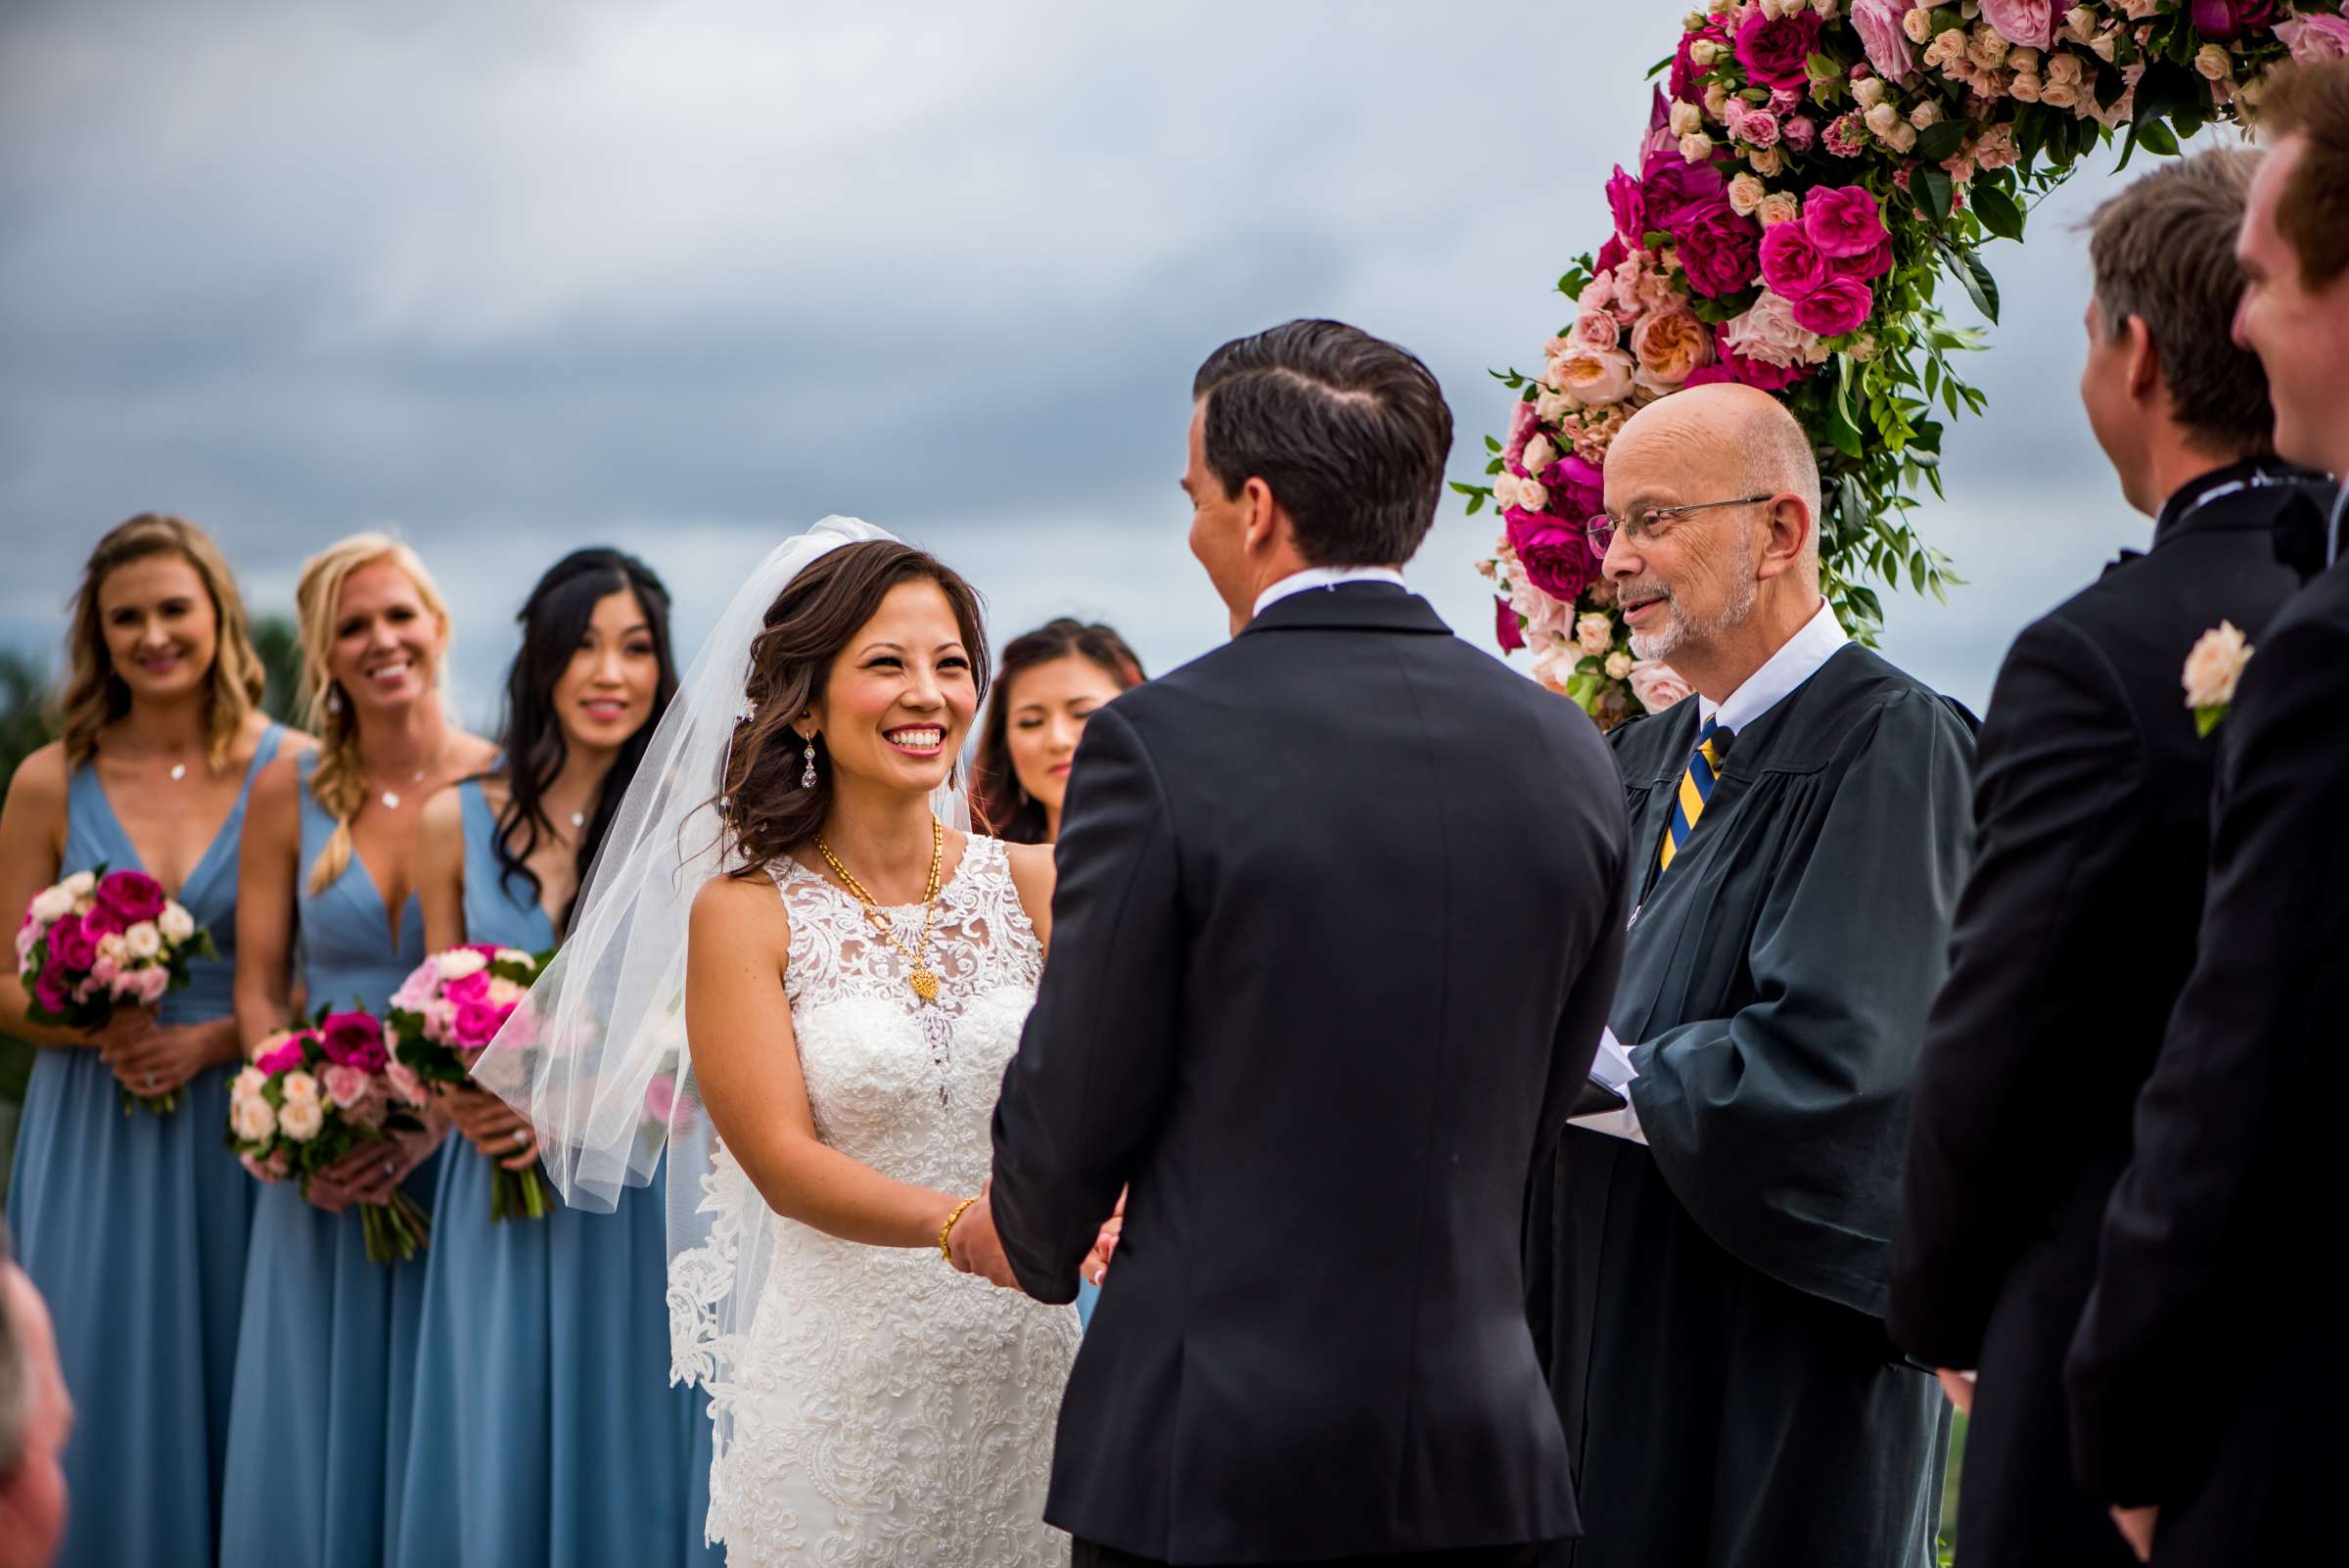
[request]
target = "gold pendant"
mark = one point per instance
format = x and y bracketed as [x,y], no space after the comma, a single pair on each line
[924,982]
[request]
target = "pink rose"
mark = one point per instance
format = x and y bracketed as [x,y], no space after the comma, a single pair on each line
[1670,344]
[1628,206]
[470,987]
[355,1040]
[1656,685]
[153,983]
[283,1058]
[418,989]
[1839,305]
[404,1085]
[1847,135]
[1719,250]
[1775,51]
[1865,268]
[1555,554]
[1843,220]
[2317,37]
[1508,630]
[1759,129]
[1597,329]
[1577,488]
[2029,24]
[1791,264]
[346,1085]
[660,1095]
[476,1023]
[72,946]
[132,895]
[1524,424]
[107,971]
[1800,132]
[1878,24]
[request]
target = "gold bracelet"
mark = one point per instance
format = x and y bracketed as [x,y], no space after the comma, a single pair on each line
[947,1230]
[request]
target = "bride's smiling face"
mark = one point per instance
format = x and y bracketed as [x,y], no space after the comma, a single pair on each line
[900,696]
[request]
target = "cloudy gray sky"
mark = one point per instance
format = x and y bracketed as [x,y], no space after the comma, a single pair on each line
[515,276]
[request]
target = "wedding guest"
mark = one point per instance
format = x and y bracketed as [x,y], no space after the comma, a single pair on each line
[1052,680]
[318,1422]
[2077,922]
[545,1430]
[36,1416]
[131,1220]
[1710,1280]
[2208,1372]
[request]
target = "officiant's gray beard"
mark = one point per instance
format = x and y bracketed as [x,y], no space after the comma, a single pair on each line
[1683,628]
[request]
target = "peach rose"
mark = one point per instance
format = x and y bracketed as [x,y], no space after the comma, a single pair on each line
[2214,666]
[1656,684]
[1592,376]
[1745,195]
[1595,634]
[1671,345]
[1780,207]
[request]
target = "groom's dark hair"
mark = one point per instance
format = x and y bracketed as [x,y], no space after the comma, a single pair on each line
[1349,432]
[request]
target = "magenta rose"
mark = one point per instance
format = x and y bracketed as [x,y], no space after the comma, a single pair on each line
[470,987]
[1775,51]
[103,921]
[1577,490]
[1628,206]
[1670,185]
[1736,367]
[72,945]
[2027,24]
[51,990]
[1508,630]
[1843,220]
[476,1024]
[1839,305]
[1555,554]
[1720,251]
[354,1040]
[133,896]
[1686,79]
[283,1058]
[1790,264]
[1613,254]
[1867,267]
[1523,423]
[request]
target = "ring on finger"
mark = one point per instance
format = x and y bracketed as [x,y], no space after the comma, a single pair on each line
[521,1136]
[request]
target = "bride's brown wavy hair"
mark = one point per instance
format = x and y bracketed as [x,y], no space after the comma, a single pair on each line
[765,813]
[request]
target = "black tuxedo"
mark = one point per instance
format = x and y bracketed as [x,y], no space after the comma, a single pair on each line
[1339,917]
[2075,929]
[2208,1373]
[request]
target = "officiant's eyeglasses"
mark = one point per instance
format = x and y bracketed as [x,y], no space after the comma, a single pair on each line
[1649,524]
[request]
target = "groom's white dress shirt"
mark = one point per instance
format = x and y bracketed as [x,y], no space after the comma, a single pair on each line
[1322,578]
[1796,660]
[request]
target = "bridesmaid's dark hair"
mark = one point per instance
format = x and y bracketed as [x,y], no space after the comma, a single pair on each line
[765,813]
[553,620]
[997,802]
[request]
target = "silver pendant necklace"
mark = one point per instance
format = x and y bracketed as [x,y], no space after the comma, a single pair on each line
[390,798]
[578,819]
[179,770]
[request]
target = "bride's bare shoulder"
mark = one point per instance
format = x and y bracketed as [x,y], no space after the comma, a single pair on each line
[732,911]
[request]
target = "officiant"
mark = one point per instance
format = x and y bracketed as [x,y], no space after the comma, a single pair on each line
[1708,1269]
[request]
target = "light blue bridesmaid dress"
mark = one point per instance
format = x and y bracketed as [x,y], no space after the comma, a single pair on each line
[545,1430]
[326,1355]
[135,1228]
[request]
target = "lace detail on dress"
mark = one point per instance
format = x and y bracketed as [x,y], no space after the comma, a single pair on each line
[880,1409]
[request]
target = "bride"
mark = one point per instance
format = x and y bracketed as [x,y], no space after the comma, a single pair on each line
[851,973]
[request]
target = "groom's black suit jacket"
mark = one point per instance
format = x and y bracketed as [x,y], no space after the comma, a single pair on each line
[1338,920]
[2075,930]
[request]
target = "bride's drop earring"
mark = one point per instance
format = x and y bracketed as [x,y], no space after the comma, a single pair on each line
[807,774]
[334,699]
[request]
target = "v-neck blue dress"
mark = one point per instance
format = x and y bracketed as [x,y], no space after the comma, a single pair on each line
[135,1230]
[545,1430]
[326,1354]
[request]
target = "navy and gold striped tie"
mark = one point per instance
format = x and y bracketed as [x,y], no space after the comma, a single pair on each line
[1696,787]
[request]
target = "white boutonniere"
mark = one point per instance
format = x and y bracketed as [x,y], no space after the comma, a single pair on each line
[2212,669]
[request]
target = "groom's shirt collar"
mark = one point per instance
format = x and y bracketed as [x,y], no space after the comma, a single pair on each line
[1323,578]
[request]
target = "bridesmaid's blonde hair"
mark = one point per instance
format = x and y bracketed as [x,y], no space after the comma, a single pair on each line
[336,781]
[94,696]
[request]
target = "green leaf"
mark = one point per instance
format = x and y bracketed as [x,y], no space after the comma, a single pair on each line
[1997,210]
[2157,136]
[1937,142]
[1980,285]
[1938,188]
[2207,720]
[1494,466]
[1491,443]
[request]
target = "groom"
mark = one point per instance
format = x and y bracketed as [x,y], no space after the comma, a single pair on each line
[1338,919]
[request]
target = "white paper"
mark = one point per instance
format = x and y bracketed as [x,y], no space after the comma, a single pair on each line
[1612,1066]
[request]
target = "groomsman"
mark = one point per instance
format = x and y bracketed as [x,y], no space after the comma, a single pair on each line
[2208,1375]
[2077,925]
[1709,1279]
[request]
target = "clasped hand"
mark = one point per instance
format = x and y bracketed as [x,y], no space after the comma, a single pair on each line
[975,1248]
[147,1057]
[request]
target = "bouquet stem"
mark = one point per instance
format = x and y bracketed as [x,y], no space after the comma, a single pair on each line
[163,1105]
[397,1230]
[519,1195]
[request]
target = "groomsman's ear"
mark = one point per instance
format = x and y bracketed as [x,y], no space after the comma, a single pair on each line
[2144,362]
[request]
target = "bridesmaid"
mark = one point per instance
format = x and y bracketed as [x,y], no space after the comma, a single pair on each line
[1051,680]
[318,1424]
[545,1430]
[135,1227]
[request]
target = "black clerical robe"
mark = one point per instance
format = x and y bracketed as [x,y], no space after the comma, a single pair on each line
[1710,1305]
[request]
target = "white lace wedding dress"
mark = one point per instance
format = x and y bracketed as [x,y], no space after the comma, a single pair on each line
[883,1409]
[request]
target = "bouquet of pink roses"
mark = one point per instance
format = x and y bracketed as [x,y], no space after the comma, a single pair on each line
[444,1015]
[313,1093]
[100,939]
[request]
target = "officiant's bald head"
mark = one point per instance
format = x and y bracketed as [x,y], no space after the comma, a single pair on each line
[1714,495]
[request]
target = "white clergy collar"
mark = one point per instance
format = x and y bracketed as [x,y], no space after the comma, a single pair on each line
[1323,578]
[1795,662]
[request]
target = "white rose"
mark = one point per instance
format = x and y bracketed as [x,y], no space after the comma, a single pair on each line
[2215,664]
[1924,115]
[1592,377]
[1685,118]
[2022,58]
[143,940]
[79,884]
[176,923]
[1869,91]
[1768,160]
[1531,495]
[2059,95]
[2081,22]
[1706,52]
[1619,665]
[252,1121]
[113,946]
[302,1119]
[51,905]
[1504,490]
[1745,195]
[1882,117]
[1780,207]
[1551,406]
[1902,138]
[1717,102]
[515,955]
[1595,634]
[1918,24]
[1539,454]
[298,1088]
[505,992]
[247,1085]
[1691,21]
[1696,147]
[2025,87]
[2214,62]
[458,962]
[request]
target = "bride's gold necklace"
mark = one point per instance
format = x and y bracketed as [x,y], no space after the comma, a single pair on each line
[923,982]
